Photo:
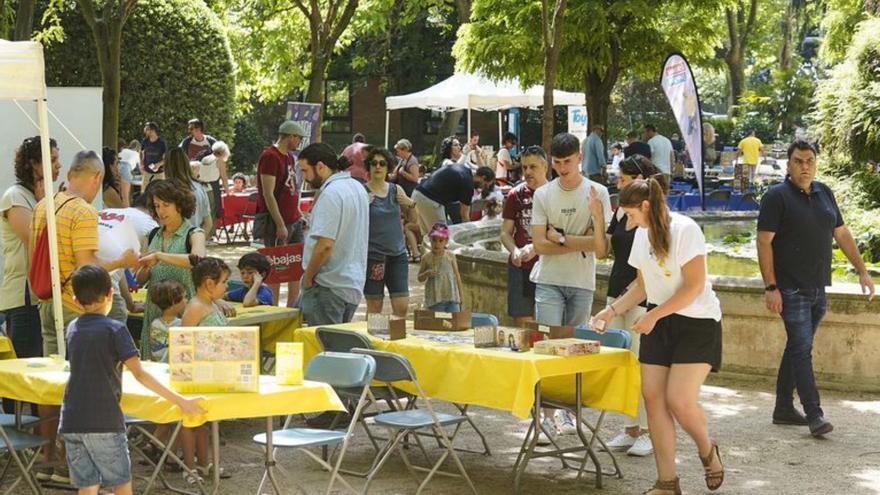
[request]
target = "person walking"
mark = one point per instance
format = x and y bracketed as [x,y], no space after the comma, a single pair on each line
[797,223]
[680,332]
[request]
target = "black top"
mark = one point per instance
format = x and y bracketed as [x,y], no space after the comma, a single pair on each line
[622,273]
[804,225]
[96,347]
[154,152]
[449,184]
[637,148]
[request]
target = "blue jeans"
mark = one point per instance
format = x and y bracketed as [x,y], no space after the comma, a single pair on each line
[321,306]
[802,310]
[97,459]
[446,307]
[559,305]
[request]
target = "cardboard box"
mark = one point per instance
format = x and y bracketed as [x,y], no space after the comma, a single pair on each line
[567,347]
[552,331]
[386,326]
[442,321]
[516,339]
[214,359]
[485,336]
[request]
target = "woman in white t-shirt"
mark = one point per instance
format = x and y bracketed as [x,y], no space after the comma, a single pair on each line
[680,333]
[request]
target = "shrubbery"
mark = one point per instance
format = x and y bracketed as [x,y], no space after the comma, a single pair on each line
[176,65]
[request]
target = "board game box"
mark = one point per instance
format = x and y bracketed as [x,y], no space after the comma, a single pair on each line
[214,359]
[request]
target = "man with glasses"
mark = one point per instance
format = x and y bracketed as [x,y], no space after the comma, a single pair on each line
[796,225]
[198,144]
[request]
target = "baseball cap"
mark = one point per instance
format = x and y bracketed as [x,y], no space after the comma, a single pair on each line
[291,128]
[439,231]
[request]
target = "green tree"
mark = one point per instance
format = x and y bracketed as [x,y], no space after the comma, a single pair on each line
[740,24]
[839,23]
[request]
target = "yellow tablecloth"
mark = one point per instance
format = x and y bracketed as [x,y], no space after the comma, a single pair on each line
[42,381]
[506,380]
[6,349]
[277,324]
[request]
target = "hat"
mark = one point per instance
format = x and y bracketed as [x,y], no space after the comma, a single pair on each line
[439,231]
[290,127]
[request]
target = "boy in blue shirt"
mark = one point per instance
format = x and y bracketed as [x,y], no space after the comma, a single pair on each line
[254,267]
[92,425]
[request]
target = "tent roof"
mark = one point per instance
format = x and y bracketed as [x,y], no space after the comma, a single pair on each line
[477,92]
[21,70]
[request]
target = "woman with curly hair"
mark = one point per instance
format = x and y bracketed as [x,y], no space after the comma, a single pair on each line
[112,191]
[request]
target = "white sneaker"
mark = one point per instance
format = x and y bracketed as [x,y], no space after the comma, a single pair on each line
[548,426]
[642,447]
[192,478]
[621,442]
[566,423]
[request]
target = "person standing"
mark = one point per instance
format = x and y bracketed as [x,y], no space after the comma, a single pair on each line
[407,173]
[516,236]
[124,167]
[593,152]
[505,162]
[680,332]
[447,185]
[565,213]
[473,152]
[278,220]
[635,147]
[334,257]
[212,175]
[153,150]
[797,222]
[177,168]
[387,265]
[662,153]
[198,144]
[751,149]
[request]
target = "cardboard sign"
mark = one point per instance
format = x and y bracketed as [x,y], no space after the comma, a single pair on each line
[442,321]
[286,263]
[289,363]
[552,331]
[386,326]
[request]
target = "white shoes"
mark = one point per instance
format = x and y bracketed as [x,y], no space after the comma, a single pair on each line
[621,442]
[548,428]
[642,446]
[566,422]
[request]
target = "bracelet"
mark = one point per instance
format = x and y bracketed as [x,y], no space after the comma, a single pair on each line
[611,306]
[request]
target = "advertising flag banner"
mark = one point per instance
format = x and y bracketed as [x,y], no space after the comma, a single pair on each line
[678,83]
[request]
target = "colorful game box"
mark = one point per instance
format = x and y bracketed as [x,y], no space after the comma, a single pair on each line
[567,347]
[214,359]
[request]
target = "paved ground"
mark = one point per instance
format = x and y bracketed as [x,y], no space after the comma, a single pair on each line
[760,458]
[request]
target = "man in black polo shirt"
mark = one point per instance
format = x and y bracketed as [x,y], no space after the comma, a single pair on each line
[636,147]
[449,184]
[797,223]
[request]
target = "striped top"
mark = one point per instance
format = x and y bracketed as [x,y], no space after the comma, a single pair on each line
[77,225]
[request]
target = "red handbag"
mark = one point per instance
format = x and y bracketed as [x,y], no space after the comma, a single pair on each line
[286,263]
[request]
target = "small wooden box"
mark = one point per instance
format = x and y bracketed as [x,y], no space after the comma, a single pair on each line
[386,326]
[552,331]
[442,321]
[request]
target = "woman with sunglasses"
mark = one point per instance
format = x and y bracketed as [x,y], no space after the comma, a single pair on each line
[387,264]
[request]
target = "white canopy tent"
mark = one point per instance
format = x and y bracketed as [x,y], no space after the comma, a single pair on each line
[469,92]
[22,77]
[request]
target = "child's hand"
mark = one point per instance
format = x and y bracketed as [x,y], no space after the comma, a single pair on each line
[136,307]
[430,273]
[129,259]
[258,279]
[227,309]
[148,259]
[191,407]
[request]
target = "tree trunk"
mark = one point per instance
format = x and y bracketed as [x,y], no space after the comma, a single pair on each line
[108,41]
[788,29]
[4,33]
[736,74]
[597,108]
[315,92]
[24,21]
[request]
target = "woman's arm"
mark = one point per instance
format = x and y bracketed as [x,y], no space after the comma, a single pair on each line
[20,220]
[402,198]
[224,181]
[125,190]
[112,198]
[411,172]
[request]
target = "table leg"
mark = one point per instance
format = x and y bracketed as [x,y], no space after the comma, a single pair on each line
[215,444]
[578,394]
[270,456]
[161,461]
[536,419]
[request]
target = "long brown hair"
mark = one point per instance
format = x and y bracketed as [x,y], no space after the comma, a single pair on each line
[651,190]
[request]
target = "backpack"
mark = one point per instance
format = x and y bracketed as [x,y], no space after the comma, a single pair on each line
[189,232]
[40,274]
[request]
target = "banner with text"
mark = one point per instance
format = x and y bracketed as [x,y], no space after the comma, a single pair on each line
[577,121]
[681,90]
[286,263]
[308,115]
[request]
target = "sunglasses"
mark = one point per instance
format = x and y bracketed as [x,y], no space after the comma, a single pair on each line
[380,163]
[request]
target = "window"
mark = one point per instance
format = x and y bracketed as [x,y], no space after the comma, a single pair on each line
[337,107]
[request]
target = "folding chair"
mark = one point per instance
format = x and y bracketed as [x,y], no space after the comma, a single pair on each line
[339,370]
[16,443]
[390,368]
[246,217]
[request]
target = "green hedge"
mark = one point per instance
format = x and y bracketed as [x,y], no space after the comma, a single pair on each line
[176,65]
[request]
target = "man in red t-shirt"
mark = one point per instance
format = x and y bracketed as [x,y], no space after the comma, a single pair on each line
[278,219]
[516,236]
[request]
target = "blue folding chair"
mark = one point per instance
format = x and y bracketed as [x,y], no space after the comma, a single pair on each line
[613,337]
[483,320]
[340,370]
[390,368]
[16,443]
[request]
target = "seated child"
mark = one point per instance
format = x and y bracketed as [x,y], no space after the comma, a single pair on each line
[170,296]
[92,425]
[254,267]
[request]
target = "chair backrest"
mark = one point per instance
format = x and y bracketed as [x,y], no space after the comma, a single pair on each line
[390,367]
[719,195]
[340,369]
[483,320]
[338,340]
[612,337]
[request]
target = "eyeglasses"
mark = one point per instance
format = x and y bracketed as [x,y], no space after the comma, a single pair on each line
[380,163]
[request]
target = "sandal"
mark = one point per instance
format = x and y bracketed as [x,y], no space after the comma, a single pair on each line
[714,479]
[669,487]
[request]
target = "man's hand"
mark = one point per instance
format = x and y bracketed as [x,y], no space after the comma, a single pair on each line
[552,235]
[307,282]
[596,206]
[867,285]
[773,301]
[645,323]
[129,259]
[516,258]
[527,253]
[148,259]
[281,233]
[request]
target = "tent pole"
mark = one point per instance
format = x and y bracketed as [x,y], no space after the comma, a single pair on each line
[43,116]
[387,124]
[500,133]
[468,137]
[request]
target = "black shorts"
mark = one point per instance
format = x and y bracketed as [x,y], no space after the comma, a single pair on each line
[678,339]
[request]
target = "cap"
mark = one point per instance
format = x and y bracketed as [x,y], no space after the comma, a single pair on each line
[440,231]
[291,128]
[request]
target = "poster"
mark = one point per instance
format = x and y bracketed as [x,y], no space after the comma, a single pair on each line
[308,115]
[214,359]
[577,121]
[678,83]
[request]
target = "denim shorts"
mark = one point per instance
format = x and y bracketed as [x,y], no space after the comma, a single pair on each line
[389,271]
[97,459]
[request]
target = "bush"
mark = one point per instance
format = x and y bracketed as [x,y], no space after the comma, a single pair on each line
[176,65]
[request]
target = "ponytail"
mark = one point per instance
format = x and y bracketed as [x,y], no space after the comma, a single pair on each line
[652,191]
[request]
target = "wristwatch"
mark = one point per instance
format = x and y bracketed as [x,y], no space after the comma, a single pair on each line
[562,240]
[770,288]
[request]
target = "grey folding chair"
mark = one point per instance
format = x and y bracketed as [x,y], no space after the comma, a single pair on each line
[338,370]
[17,443]
[390,368]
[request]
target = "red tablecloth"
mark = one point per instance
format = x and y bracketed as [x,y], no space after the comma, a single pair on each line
[234,205]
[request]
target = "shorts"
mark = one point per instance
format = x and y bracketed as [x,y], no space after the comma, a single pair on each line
[97,459]
[389,271]
[294,232]
[520,292]
[678,339]
[47,325]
